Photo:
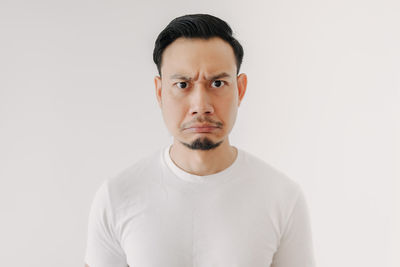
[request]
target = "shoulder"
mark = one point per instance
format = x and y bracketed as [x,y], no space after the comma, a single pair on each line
[132,181]
[273,181]
[260,168]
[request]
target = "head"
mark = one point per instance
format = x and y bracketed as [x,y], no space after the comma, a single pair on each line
[198,62]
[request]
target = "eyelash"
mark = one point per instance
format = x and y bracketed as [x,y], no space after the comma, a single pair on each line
[223,83]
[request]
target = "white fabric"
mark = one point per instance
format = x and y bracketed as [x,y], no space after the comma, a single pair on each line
[154,214]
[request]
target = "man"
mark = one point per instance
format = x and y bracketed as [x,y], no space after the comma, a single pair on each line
[200,201]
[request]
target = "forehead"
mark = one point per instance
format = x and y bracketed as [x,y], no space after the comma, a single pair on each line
[194,56]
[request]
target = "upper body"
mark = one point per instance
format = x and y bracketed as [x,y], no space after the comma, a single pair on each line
[148,217]
[156,214]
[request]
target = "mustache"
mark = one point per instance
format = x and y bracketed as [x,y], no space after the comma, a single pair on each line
[202,120]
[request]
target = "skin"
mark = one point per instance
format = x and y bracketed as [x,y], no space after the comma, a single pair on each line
[199,84]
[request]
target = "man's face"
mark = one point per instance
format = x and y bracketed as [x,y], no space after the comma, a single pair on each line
[199,87]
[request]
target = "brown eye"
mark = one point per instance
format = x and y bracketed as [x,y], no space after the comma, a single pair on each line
[182,85]
[217,83]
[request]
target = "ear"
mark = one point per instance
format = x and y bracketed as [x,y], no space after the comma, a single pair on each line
[157,83]
[242,85]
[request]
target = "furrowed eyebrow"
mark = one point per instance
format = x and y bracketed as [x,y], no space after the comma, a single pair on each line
[180,77]
[185,78]
[219,76]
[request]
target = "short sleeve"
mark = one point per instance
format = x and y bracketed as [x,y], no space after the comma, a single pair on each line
[296,245]
[103,248]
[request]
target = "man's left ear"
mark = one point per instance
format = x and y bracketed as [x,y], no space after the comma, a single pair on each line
[242,85]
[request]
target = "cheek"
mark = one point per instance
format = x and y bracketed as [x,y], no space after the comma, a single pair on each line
[229,106]
[173,112]
[232,110]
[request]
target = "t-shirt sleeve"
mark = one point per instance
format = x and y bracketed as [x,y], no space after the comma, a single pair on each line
[296,246]
[103,248]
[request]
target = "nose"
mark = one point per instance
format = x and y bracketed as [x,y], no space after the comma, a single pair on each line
[201,101]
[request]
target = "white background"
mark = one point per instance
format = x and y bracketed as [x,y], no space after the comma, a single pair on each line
[77,105]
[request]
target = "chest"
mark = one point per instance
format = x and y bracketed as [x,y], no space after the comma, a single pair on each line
[213,228]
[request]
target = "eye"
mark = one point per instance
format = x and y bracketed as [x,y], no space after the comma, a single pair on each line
[182,85]
[217,83]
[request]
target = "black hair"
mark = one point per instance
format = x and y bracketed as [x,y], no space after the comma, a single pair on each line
[202,26]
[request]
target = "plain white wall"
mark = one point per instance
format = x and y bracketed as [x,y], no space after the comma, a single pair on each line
[77,105]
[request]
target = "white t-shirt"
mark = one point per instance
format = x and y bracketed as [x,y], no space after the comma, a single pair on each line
[154,214]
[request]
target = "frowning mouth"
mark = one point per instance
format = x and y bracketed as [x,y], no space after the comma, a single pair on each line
[203,128]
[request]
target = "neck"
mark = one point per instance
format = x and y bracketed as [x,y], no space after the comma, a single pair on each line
[203,162]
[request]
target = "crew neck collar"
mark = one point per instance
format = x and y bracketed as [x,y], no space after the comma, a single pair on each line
[218,177]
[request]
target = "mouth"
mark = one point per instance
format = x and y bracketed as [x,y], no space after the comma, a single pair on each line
[202,129]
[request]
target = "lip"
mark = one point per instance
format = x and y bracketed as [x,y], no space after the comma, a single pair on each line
[201,128]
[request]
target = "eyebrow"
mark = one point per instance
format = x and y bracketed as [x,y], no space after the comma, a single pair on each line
[215,77]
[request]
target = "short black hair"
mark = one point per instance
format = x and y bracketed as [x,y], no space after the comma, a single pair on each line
[202,26]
